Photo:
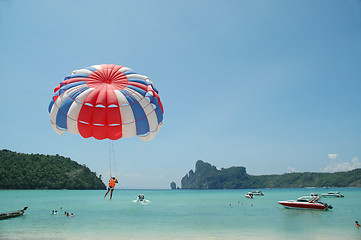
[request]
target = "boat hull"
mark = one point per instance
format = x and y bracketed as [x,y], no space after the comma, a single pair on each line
[303,205]
[12,214]
[332,196]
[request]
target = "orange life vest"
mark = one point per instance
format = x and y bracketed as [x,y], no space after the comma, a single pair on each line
[112,183]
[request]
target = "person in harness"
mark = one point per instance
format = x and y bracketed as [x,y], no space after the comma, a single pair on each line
[140,197]
[111,187]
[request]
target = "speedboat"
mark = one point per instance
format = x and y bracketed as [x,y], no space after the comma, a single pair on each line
[259,193]
[141,199]
[332,194]
[12,214]
[249,195]
[306,202]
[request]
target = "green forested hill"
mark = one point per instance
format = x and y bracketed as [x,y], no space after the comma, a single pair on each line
[207,176]
[38,171]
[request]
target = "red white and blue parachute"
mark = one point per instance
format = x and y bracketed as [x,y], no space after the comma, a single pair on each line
[107,101]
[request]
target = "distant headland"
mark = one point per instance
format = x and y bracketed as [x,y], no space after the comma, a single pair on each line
[207,176]
[38,171]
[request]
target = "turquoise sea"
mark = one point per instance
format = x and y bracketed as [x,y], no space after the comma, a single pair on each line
[177,214]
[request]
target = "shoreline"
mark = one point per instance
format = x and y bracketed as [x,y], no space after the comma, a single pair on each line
[35,235]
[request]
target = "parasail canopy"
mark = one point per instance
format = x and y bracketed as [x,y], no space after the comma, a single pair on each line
[107,101]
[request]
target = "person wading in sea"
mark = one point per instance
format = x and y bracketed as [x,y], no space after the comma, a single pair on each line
[111,187]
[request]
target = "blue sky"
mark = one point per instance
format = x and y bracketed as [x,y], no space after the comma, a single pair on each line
[270,85]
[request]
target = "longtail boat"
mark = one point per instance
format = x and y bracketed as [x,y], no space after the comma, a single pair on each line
[12,214]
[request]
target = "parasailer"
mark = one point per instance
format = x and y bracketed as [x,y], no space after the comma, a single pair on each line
[107,101]
[111,187]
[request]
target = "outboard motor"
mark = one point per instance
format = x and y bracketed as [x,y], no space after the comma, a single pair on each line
[328,206]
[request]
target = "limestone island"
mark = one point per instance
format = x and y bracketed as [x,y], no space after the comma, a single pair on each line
[207,176]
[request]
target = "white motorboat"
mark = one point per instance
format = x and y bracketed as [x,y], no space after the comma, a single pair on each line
[141,199]
[249,195]
[332,194]
[257,193]
[306,202]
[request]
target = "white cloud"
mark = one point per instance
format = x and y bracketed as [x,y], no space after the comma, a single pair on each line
[356,161]
[343,166]
[291,169]
[333,156]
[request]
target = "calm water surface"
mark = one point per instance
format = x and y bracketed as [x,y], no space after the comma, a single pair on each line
[177,214]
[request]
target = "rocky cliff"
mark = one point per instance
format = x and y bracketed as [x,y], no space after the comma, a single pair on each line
[207,176]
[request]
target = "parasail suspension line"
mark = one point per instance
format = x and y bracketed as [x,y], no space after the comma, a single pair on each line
[112,161]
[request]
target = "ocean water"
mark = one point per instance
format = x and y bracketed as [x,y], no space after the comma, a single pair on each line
[177,214]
